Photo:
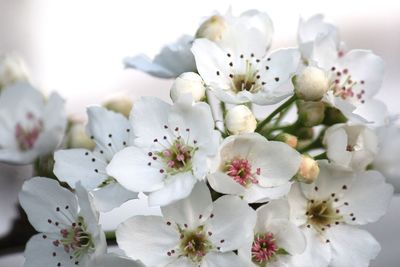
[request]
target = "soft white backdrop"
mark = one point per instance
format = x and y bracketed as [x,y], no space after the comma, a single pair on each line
[76,47]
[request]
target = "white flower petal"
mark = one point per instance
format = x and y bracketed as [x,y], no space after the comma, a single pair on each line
[40,251]
[40,197]
[367,209]
[324,53]
[144,63]
[193,210]
[352,245]
[112,196]
[194,122]
[210,58]
[274,210]
[108,129]
[217,259]
[259,194]
[148,239]
[331,179]
[288,236]
[173,60]
[317,253]
[130,168]
[387,160]
[17,157]
[19,98]
[364,66]
[88,210]
[55,123]
[261,21]
[73,165]
[114,260]
[282,64]
[298,205]
[241,218]
[224,184]
[148,117]
[374,111]
[277,161]
[176,187]
[313,29]
[182,262]
[336,142]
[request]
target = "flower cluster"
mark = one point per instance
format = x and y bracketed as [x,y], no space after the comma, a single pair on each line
[234,190]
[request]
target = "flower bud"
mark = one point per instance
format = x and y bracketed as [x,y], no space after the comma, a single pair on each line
[308,171]
[240,119]
[311,84]
[310,113]
[188,82]
[120,105]
[288,139]
[77,137]
[212,28]
[12,69]
[305,133]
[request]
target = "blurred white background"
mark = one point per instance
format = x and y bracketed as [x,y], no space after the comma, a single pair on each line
[76,47]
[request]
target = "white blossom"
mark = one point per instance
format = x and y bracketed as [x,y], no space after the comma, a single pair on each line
[171,149]
[313,29]
[172,60]
[329,210]
[69,233]
[192,232]
[239,70]
[111,132]
[351,146]
[276,238]
[30,124]
[354,79]
[254,168]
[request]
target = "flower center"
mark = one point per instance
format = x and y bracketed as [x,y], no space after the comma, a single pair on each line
[27,136]
[263,249]
[194,244]
[321,214]
[76,239]
[241,171]
[344,86]
[178,157]
[248,81]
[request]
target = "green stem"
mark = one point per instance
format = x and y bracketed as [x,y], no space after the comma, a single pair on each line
[287,103]
[282,115]
[317,143]
[321,156]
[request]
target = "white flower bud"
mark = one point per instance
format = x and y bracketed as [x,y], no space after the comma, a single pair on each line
[120,105]
[311,84]
[240,119]
[77,137]
[188,82]
[310,113]
[212,28]
[308,171]
[288,139]
[12,69]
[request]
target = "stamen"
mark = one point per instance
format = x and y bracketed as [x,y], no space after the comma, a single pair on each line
[241,171]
